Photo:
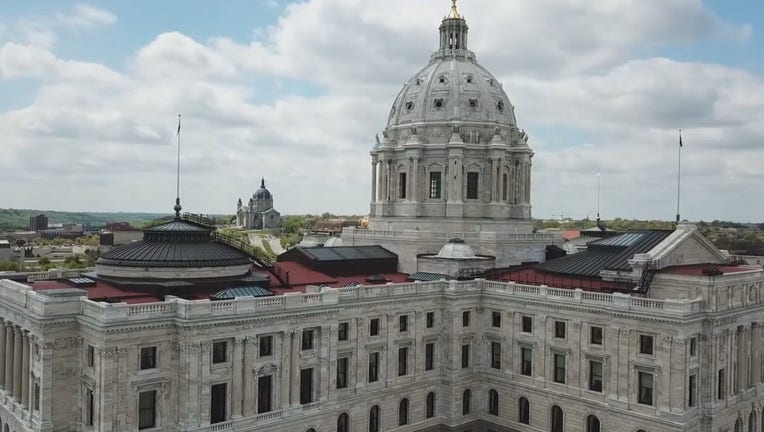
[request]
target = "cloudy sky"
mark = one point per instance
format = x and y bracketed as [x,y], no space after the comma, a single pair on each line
[296,91]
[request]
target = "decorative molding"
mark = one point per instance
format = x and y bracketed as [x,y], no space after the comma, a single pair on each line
[63,342]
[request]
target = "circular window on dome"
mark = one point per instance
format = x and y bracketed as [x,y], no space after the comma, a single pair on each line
[500,106]
[473,103]
[443,79]
[469,79]
[438,103]
[409,106]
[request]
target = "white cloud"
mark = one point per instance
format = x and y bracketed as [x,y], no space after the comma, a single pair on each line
[567,65]
[82,16]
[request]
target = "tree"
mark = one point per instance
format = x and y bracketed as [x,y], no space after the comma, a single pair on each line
[9,266]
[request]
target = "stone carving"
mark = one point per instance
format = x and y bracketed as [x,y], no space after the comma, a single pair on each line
[63,342]
[267,369]
[115,352]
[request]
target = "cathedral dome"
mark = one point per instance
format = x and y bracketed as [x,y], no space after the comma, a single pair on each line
[453,89]
[262,193]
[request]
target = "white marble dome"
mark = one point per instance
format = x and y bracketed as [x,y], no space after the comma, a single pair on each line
[456,249]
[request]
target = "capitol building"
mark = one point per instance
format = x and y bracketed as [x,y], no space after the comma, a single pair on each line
[449,313]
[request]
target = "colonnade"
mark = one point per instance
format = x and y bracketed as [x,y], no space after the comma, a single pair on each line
[15,363]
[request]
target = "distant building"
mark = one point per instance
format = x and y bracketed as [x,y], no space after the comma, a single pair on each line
[5,251]
[38,223]
[259,212]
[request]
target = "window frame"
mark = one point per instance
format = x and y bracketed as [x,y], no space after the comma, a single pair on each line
[495,355]
[373,372]
[650,390]
[559,368]
[473,185]
[343,366]
[560,328]
[308,340]
[153,409]
[465,318]
[153,362]
[374,326]
[465,354]
[343,331]
[429,356]
[526,319]
[643,338]
[436,185]
[592,384]
[216,351]
[524,360]
[496,319]
[403,323]
[430,320]
[600,335]
[403,361]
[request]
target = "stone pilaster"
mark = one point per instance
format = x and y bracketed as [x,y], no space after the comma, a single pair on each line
[756,335]
[2,353]
[295,372]
[17,357]
[9,345]
[374,162]
[287,369]
[742,361]
[239,373]
[415,180]
[24,377]
[325,350]
[250,347]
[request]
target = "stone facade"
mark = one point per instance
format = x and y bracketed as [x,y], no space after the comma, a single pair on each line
[64,344]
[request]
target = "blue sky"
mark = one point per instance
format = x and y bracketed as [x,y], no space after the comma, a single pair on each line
[296,92]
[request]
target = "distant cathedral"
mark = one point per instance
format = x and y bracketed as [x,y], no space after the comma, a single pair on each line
[259,212]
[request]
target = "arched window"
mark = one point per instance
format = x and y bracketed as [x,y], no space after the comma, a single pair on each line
[374,419]
[752,422]
[593,424]
[493,402]
[558,419]
[739,425]
[466,401]
[523,411]
[310,430]
[430,409]
[403,412]
[343,423]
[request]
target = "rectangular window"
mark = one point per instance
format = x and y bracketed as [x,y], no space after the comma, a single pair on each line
[306,386]
[721,385]
[595,376]
[264,393]
[374,327]
[645,396]
[342,331]
[435,189]
[693,347]
[402,185]
[466,319]
[342,372]
[36,396]
[527,324]
[646,344]
[595,335]
[465,356]
[430,319]
[403,323]
[91,356]
[147,413]
[559,329]
[495,319]
[266,346]
[219,351]
[496,355]
[403,361]
[218,403]
[89,407]
[526,361]
[148,358]
[691,390]
[373,367]
[429,356]
[307,340]
[504,187]
[559,368]
[472,185]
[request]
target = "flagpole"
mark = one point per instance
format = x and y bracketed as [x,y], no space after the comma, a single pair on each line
[598,197]
[178,208]
[679,177]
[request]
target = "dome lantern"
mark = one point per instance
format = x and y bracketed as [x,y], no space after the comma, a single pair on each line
[453,33]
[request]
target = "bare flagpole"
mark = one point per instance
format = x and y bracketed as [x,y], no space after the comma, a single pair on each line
[679,178]
[177,207]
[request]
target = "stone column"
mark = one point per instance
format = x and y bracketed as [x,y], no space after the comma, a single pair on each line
[741,360]
[17,357]
[250,348]
[286,368]
[324,369]
[8,358]
[494,181]
[373,179]
[380,180]
[25,371]
[415,180]
[504,188]
[295,372]
[2,353]
[239,379]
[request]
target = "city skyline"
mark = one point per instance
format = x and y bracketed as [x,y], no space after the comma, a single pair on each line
[296,92]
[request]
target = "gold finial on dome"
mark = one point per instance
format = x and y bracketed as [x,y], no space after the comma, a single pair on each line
[454,13]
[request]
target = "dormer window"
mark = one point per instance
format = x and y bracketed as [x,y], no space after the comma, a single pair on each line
[409,106]
[500,106]
[438,103]
[473,103]
[469,79]
[442,79]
